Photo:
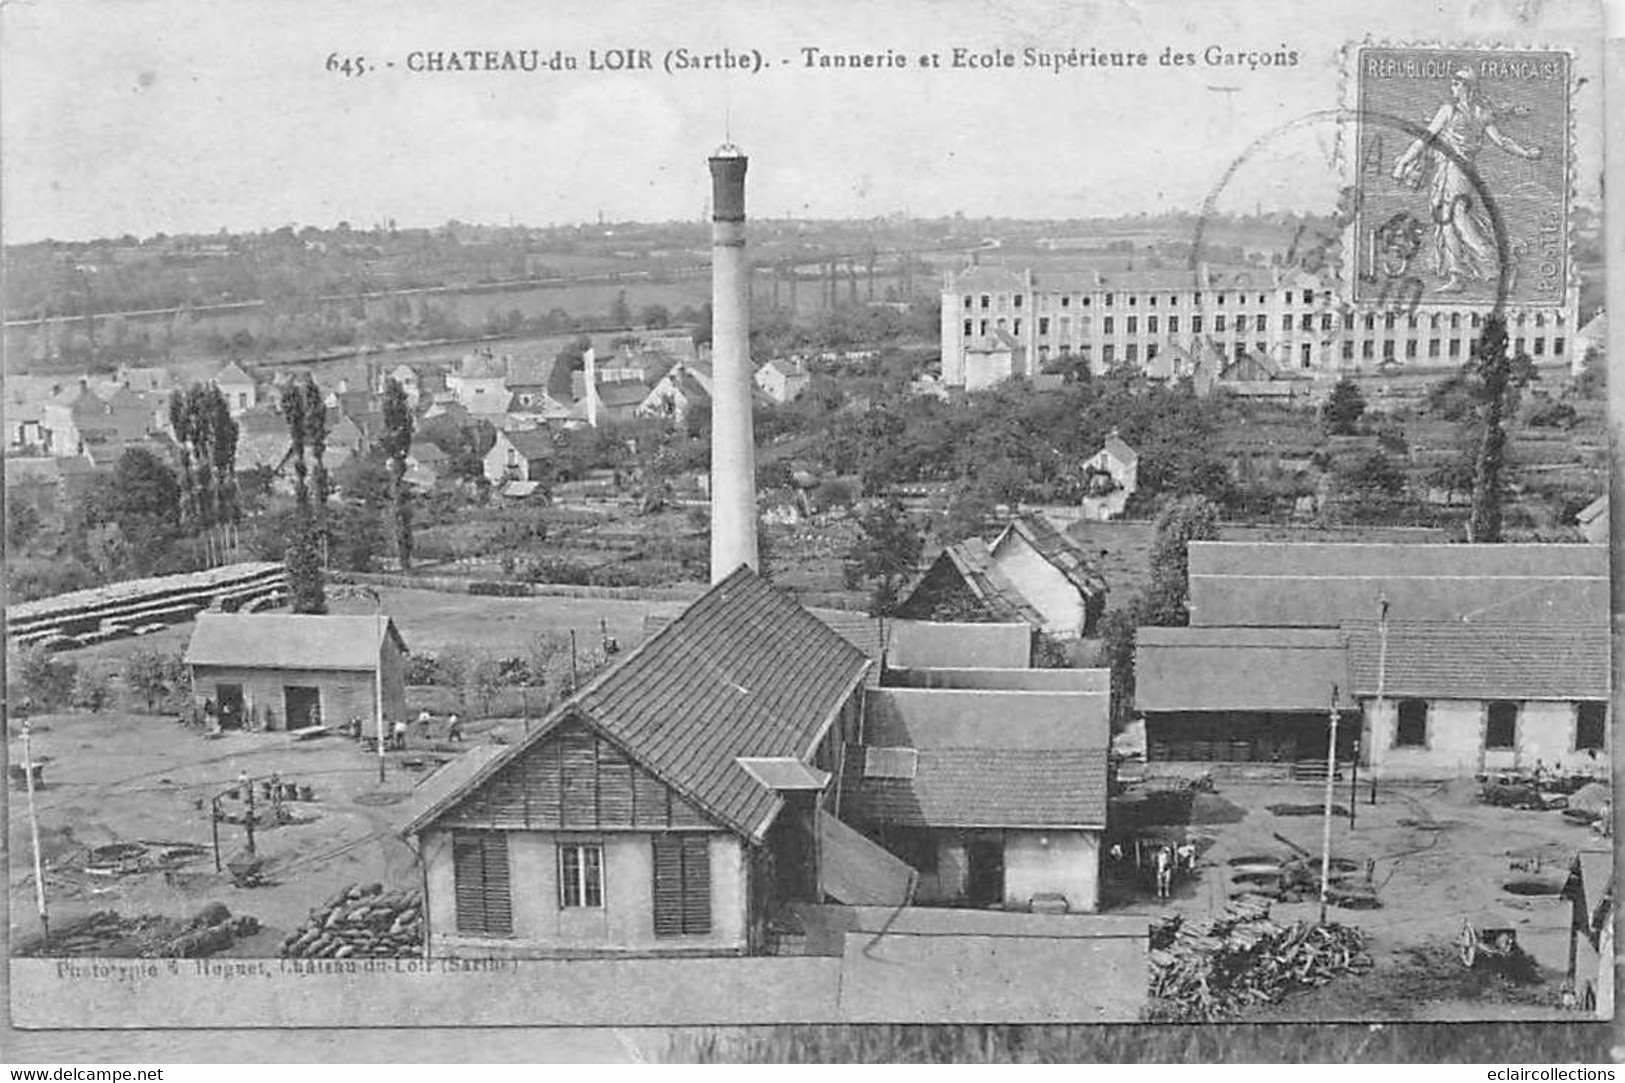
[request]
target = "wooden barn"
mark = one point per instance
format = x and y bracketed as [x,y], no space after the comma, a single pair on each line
[287,671]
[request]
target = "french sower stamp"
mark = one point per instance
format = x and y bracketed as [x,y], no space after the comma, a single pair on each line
[1462,175]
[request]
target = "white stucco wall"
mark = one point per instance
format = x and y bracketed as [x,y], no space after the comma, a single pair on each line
[1455,740]
[1050,592]
[1064,862]
[625,923]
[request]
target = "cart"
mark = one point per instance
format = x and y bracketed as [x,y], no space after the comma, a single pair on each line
[246,870]
[1491,940]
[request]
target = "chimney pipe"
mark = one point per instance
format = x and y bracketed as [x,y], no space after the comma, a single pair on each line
[733,452]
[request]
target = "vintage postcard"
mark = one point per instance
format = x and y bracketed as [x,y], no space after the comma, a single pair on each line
[712,515]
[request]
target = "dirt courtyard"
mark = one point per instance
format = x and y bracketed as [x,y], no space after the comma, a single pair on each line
[1438,857]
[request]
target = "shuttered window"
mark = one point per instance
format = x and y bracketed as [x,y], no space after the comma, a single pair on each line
[480,869]
[682,885]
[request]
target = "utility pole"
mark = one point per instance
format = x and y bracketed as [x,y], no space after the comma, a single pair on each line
[1382,680]
[33,833]
[378,693]
[1326,821]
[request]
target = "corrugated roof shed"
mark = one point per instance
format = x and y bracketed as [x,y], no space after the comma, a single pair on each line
[939,718]
[289,641]
[1479,661]
[1239,669]
[744,671]
[1309,584]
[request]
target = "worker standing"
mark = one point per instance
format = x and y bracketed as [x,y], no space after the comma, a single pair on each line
[454,729]
[400,734]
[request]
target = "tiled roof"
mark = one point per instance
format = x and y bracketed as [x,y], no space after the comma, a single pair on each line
[992,279]
[981,787]
[232,373]
[532,443]
[1239,669]
[975,566]
[622,393]
[1478,661]
[744,671]
[289,641]
[1120,450]
[927,644]
[1310,584]
[1061,552]
[866,633]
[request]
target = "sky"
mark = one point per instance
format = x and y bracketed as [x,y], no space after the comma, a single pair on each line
[142,116]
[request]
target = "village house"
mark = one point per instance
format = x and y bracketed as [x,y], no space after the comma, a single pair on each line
[479,384]
[678,393]
[1110,476]
[520,456]
[279,671]
[237,386]
[671,806]
[990,783]
[1031,572]
[425,464]
[783,379]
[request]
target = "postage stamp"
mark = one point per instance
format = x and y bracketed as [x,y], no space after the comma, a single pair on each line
[1462,175]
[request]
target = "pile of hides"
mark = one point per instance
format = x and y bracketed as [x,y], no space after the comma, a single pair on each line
[361,922]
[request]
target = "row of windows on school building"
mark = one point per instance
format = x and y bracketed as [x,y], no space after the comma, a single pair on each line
[1408,339]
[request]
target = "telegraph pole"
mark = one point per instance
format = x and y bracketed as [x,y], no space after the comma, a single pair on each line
[33,832]
[1326,822]
[378,693]
[1382,680]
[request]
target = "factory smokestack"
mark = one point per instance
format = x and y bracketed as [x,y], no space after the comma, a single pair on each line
[733,451]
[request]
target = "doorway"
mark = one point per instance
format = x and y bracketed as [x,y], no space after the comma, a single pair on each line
[303,706]
[228,699]
[984,881]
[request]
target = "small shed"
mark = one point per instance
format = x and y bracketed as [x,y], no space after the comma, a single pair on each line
[288,671]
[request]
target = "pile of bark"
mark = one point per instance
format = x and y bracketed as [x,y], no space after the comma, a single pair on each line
[109,934]
[1212,968]
[361,922]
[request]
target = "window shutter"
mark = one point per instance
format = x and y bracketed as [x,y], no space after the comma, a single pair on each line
[668,885]
[696,884]
[480,871]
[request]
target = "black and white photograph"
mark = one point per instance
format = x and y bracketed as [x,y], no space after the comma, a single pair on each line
[999,531]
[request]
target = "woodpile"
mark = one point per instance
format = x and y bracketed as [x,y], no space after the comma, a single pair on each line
[1212,968]
[147,936]
[360,922]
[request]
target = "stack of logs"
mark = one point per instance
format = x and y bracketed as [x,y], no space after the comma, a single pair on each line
[360,922]
[1209,969]
[148,936]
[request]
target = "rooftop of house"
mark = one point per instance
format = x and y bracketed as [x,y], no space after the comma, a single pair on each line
[1065,555]
[1322,584]
[971,561]
[936,644]
[982,758]
[531,443]
[1240,669]
[232,374]
[743,672]
[1481,661]
[290,641]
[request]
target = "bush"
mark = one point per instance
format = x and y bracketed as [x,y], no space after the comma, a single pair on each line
[1556,415]
[422,668]
[40,680]
[613,575]
[154,676]
[92,691]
